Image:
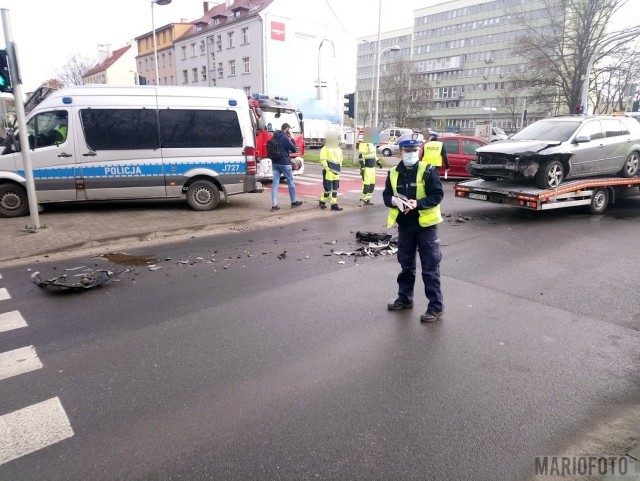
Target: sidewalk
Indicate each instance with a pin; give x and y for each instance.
(82, 227)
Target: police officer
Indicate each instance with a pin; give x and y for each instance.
(331, 160)
(418, 185)
(433, 152)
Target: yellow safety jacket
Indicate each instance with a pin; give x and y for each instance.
(433, 153)
(426, 217)
(331, 160)
(368, 151)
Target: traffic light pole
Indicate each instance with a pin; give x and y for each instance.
(355, 126)
(21, 119)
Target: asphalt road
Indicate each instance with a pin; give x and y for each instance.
(294, 369)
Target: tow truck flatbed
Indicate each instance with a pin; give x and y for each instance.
(595, 192)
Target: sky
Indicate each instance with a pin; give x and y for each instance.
(47, 32)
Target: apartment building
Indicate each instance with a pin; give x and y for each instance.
(165, 37)
(465, 51)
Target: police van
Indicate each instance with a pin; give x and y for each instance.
(140, 142)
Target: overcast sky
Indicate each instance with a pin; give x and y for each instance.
(47, 32)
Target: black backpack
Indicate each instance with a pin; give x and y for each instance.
(273, 149)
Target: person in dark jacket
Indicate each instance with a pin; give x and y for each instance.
(413, 193)
(282, 167)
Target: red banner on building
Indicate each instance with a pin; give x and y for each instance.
(277, 31)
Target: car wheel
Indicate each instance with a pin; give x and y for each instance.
(386, 152)
(13, 201)
(631, 165)
(550, 175)
(599, 201)
(203, 195)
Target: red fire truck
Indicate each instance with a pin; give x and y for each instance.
(270, 113)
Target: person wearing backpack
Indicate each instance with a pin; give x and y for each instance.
(278, 149)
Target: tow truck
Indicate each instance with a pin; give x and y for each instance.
(270, 113)
(595, 192)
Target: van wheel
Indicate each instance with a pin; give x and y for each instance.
(13, 201)
(203, 195)
(630, 168)
(550, 175)
(599, 201)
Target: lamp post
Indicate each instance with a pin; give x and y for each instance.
(394, 48)
(373, 75)
(319, 95)
(153, 32)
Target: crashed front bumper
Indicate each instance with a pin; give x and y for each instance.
(526, 169)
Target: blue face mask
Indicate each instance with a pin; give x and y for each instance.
(409, 159)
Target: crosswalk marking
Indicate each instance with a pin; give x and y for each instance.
(18, 361)
(32, 428)
(4, 294)
(11, 320)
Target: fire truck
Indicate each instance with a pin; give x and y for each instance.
(270, 113)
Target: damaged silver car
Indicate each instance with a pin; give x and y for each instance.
(558, 148)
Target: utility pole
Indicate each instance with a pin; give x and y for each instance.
(21, 120)
(355, 126)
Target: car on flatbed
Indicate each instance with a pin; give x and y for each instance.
(556, 149)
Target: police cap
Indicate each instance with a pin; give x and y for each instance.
(409, 145)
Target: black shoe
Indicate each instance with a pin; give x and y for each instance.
(323, 205)
(399, 304)
(430, 316)
(275, 208)
(367, 202)
(336, 207)
(297, 203)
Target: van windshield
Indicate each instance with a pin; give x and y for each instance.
(274, 121)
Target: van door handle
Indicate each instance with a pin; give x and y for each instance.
(64, 155)
(90, 154)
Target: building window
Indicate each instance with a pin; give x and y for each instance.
(202, 47)
(232, 67)
(185, 77)
(146, 64)
(211, 40)
(184, 52)
(147, 41)
(247, 91)
(220, 70)
(164, 36)
(193, 49)
(213, 82)
(203, 73)
(219, 43)
(163, 61)
(213, 58)
(231, 39)
(245, 35)
(246, 63)
(195, 74)
(170, 61)
(171, 81)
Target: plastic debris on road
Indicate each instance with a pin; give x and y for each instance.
(88, 281)
(375, 244)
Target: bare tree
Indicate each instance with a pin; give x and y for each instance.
(73, 70)
(613, 81)
(559, 49)
(404, 94)
(364, 101)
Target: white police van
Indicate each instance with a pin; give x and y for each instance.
(114, 142)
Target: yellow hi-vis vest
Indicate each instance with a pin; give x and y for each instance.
(433, 153)
(368, 151)
(427, 217)
(331, 158)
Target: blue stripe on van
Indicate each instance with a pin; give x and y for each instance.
(136, 170)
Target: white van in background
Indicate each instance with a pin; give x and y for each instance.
(113, 142)
(391, 135)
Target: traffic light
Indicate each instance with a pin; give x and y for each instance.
(579, 110)
(350, 105)
(5, 76)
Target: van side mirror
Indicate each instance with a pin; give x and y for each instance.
(582, 139)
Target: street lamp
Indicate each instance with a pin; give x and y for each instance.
(373, 68)
(394, 48)
(319, 96)
(153, 32)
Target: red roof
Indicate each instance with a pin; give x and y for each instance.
(115, 56)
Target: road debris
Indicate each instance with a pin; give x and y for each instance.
(154, 267)
(376, 244)
(283, 255)
(89, 281)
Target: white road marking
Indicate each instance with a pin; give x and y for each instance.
(18, 361)
(32, 428)
(11, 320)
(4, 294)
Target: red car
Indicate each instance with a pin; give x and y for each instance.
(460, 150)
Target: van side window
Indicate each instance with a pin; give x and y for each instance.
(200, 128)
(47, 129)
(120, 129)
